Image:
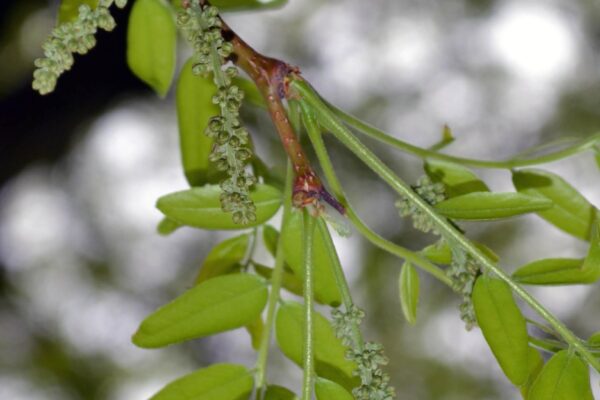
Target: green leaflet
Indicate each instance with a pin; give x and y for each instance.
(571, 213)
(409, 292)
(441, 253)
(217, 305)
(594, 340)
(328, 390)
(290, 282)
(223, 258)
(151, 44)
(167, 226)
(218, 382)
(270, 238)
(194, 109)
(326, 290)
(556, 271)
(458, 180)
(503, 327)
(236, 5)
(446, 139)
(487, 205)
(201, 207)
(241, 5)
(564, 377)
(330, 360)
(256, 329)
(275, 392)
(564, 271)
(69, 9)
(535, 362)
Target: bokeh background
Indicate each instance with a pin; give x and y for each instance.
(80, 169)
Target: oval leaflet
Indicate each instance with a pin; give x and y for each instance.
(409, 292)
(201, 208)
(151, 44)
(194, 109)
(219, 381)
(565, 376)
(489, 205)
(503, 327)
(292, 233)
(216, 305)
(571, 213)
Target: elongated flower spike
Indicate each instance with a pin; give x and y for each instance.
(69, 38)
(230, 153)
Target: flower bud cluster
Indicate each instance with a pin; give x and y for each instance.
(368, 357)
(463, 272)
(202, 28)
(374, 382)
(432, 193)
(74, 37)
(231, 150)
(345, 321)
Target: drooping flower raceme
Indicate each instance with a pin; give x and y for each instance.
(69, 38)
(231, 151)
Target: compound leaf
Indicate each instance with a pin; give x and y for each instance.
(571, 213)
(201, 207)
(564, 377)
(219, 382)
(151, 44)
(487, 205)
(503, 327)
(217, 305)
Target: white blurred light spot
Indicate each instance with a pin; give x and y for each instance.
(534, 41)
(409, 46)
(123, 139)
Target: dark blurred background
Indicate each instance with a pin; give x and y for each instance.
(80, 169)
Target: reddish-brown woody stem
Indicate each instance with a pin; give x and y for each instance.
(271, 77)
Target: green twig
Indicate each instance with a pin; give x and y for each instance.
(551, 346)
(420, 152)
(341, 281)
(276, 281)
(307, 351)
(445, 228)
(401, 252)
(542, 327)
